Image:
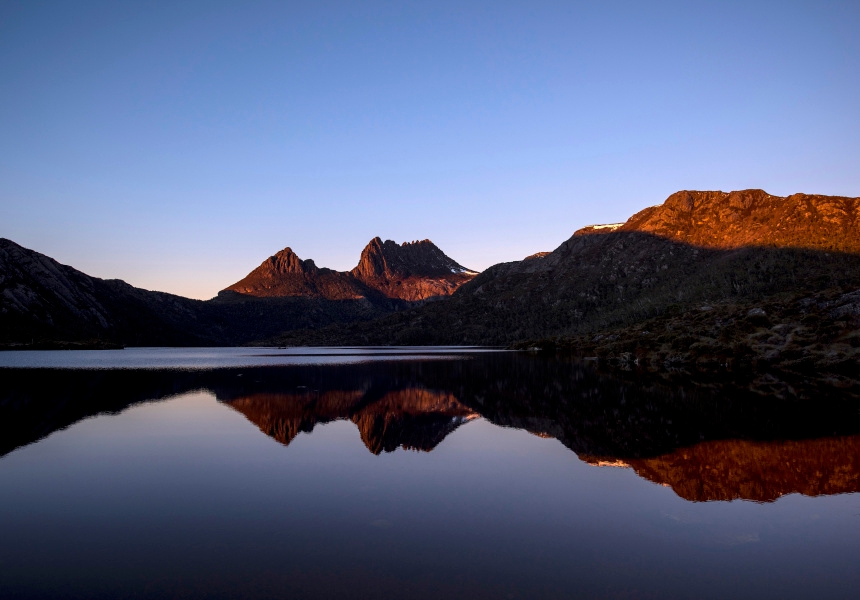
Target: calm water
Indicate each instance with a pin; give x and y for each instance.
(213, 358)
(413, 473)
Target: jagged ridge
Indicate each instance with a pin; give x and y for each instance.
(410, 271)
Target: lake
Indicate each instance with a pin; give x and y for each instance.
(414, 473)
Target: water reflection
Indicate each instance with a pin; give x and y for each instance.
(412, 418)
(760, 471)
(714, 443)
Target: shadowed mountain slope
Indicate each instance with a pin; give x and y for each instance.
(43, 299)
(696, 247)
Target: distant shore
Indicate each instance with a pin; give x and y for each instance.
(60, 345)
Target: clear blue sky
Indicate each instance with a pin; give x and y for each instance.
(176, 145)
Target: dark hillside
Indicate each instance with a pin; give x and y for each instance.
(40, 299)
(600, 281)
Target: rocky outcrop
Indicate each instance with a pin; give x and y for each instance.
(410, 271)
(754, 218)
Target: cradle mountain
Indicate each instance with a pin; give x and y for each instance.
(731, 255)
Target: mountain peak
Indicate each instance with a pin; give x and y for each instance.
(285, 274)
(412, 271)
(409, 259)
(287, 261)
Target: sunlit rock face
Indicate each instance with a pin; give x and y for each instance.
(285, 274)
(412, 418)
(412, 271)
(753, 218)
(747, 470)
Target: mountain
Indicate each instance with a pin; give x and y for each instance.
(43, 303)
(41, 299)
(286, 275)
(753, 218)
(411, 272)
(809, 336)
(697, 247)
(735, 249)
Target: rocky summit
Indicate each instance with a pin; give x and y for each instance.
(411, 271)
(752, 218)
(285, 274)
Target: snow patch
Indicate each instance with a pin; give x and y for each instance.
(608, 226)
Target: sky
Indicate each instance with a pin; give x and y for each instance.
(176, 145)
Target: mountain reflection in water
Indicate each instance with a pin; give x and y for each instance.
(413, 418)
(747, 470)
(713, 443)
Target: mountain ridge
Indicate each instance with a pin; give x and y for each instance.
(411, 271)
(695, 247)
(44, 303)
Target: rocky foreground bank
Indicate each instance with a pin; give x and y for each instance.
(787, 345)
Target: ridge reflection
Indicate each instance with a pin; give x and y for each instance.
(706, 444)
